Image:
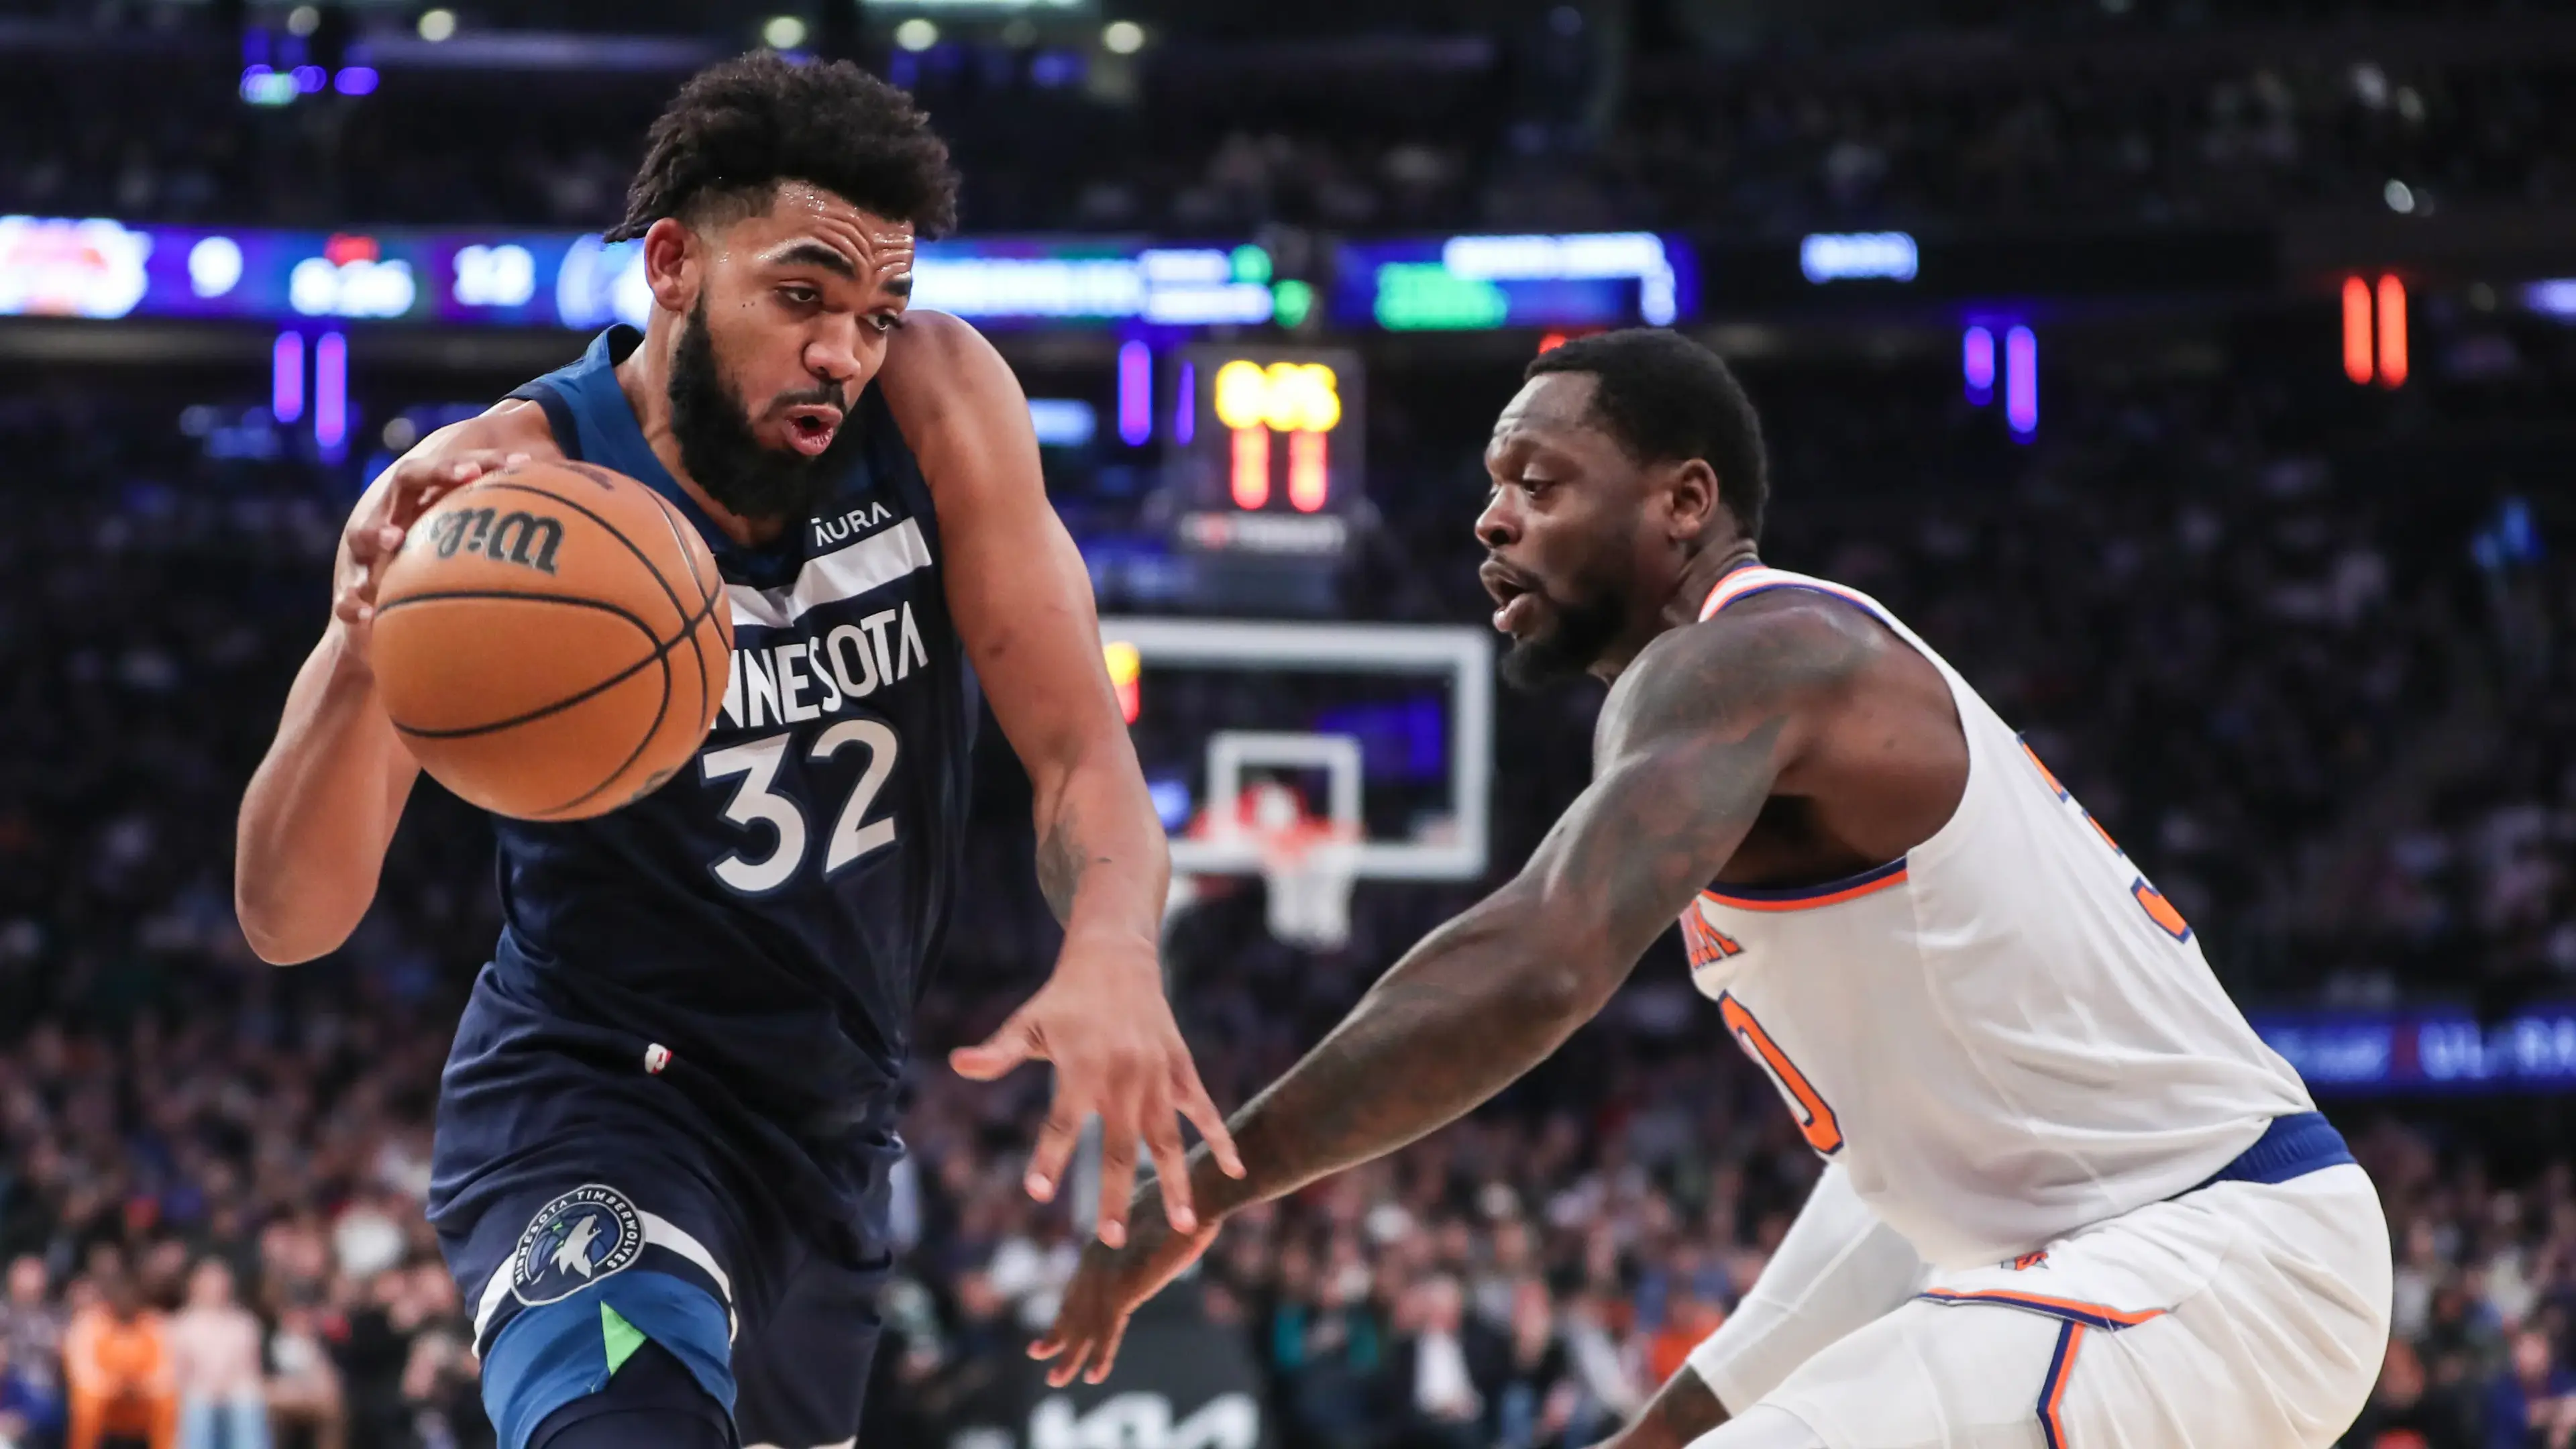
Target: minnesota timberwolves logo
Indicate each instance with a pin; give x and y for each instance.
(573, 1242)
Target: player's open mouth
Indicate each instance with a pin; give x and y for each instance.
(1516, 599)
(810, 429)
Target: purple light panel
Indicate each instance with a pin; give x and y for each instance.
(1135, 394)
(331, 392)
(286, 377)
(1977, 364)
(2021, 382)
(1185, 405)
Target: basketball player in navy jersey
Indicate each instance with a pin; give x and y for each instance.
(666, 1126)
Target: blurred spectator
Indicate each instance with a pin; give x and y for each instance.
(2407, 1412)
(215, 1364)
(442, 1393)
(304, 1389)
(29, 1419)
(31, 1342)
(1442, 1370)
(1328, 1348)
(117, 1366)
(1534, 1397)
(2533, 1402)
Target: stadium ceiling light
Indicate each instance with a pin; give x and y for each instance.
(783, 32)
(437, 25)
(303, 20)
(2399, 196)
(916, 34)
(1122, 37)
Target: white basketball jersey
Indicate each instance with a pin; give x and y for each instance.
(2005, 1035)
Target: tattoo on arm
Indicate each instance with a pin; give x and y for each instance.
(1061, 862)
(1691, 742)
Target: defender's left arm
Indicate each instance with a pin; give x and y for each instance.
(1022, 600)
(1692, 741)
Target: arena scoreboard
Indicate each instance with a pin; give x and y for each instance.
(1271, 432)
(1267, 465)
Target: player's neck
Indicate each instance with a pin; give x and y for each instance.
(645, 378)
(1699, 576)
(1681, 605)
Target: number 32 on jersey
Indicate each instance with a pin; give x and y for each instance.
(758, 801)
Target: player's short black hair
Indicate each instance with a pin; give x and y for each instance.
(1667, 399)
(741, 126)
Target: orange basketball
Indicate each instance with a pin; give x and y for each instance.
(552, 641)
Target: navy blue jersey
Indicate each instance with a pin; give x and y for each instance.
(761, 925)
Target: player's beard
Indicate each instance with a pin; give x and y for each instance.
(1583, 630)
(724, 455)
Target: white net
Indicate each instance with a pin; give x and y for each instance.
(1307, 864)
(1309, 884)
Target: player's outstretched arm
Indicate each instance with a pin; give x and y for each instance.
(1691, 743)
(322, 807)
(1022, 600)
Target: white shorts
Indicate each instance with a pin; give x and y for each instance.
(2240, 1316)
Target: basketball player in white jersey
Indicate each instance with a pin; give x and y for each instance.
(2070, 1200)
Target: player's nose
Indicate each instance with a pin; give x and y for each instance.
(832, 354)
(1499, 526)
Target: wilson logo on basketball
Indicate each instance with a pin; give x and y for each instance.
(526, 539)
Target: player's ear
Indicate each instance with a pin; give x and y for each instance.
(1692, 499)
(673, 260)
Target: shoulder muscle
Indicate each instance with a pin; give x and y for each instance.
(1784, 660)
(943, 379)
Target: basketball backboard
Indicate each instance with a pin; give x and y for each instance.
(1384, 730)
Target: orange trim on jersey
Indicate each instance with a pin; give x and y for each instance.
(2105, 834)
(2073, 1310)
(1729, 586)
(1808, 898)
(2045, 773)
(1746, 582)
(2160, 910)
(2052, 1389)
(1816, 1119)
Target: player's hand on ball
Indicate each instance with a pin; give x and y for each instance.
(1103, 1021)
(1107, 1288)
(375, 531)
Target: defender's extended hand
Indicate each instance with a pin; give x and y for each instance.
(1103, 1021)
(1107, 1288)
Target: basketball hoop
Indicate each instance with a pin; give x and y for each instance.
(1308, 864)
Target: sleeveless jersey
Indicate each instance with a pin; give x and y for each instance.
(2007, 1033)
(761, 926)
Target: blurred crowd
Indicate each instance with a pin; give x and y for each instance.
(2327, 707)
(213, 1240)
(1557, 118)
